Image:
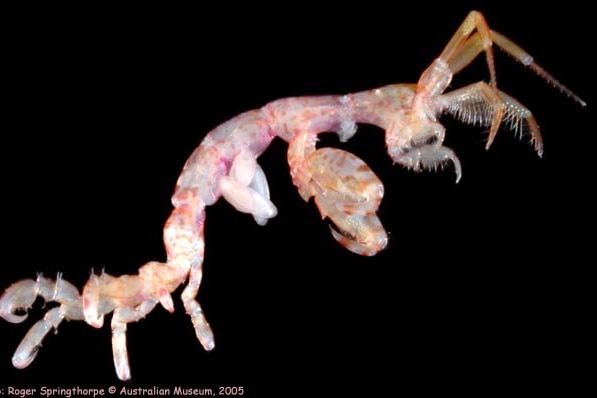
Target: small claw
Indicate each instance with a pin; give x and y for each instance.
(361, 248)
(363, 235)
(12, 318)
(93, 319)
(91, 302)
(457, 167)
(166, 301)
(19, 295)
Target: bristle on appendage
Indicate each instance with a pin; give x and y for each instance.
(516, 52)
(539, 71)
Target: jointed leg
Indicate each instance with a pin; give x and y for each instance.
(121, 317)
(202, 329)
(29, 347)
(185, 244)
(21, 295)
(472, 37)
(476, 104)
(467, 44)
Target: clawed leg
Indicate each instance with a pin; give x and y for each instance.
(341, 178)
(345, 189)
(21, 295)
(29, 346)
(121, 317)
(246, 188)
(348, 193)
(430, 157)
(476, 104)
(364, 236)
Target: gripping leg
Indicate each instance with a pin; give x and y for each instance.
(22, 294)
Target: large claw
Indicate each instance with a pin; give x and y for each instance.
(348, 193)
(345, 180)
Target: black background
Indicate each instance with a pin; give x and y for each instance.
(481, 282)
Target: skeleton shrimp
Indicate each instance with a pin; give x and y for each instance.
(344, 188)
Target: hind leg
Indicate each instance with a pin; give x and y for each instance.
(21, 295)
(121, 317)
(29, 346)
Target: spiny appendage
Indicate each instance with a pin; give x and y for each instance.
(21, 296)
(482, 103)
(474, 36)
(348, 193)
(476, 105)
(431, 157)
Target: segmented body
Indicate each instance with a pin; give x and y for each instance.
(344, 188)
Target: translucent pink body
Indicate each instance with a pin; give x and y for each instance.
(344, 188)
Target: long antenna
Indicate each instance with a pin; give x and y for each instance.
(515, 51)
